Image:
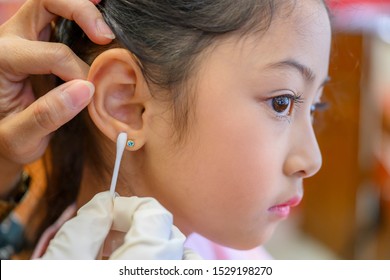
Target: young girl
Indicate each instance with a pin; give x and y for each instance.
(216, 98)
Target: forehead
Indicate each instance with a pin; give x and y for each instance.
(297, 29)
(299, 32)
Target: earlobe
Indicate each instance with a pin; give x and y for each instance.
(120, 96)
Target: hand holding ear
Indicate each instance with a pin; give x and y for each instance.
(24, 52)
(147, 225)
(22, 39)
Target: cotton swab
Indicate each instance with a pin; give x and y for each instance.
(120, 147)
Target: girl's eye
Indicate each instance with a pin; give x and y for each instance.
(282, 104)
(319, 106)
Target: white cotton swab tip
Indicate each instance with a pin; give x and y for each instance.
(120, 147)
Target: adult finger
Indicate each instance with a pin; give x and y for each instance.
(38, 13)
(26, 133)
(34, 57)
(59, 106)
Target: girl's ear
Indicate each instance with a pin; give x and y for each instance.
(121, 95)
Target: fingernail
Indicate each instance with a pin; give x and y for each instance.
(79, 94)
(103, 29)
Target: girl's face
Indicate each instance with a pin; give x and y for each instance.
(251, 142)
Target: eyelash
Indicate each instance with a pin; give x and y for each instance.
(296, 100)
(319, 107)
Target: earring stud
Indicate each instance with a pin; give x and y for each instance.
(130, 143)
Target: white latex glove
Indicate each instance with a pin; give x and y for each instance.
(148, 227)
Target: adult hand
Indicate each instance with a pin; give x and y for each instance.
(24, 133)
(147, 225)
(23, 52)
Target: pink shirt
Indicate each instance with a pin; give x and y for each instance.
(209, 250)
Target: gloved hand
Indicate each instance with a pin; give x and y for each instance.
(148, 227)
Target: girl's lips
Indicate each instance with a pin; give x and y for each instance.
(283, 210)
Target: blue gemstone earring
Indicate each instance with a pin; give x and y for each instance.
(130, 143)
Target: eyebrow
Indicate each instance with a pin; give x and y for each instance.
(306, 72)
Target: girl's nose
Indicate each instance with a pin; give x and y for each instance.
(304, 158)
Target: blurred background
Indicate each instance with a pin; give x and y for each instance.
(345, 213)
